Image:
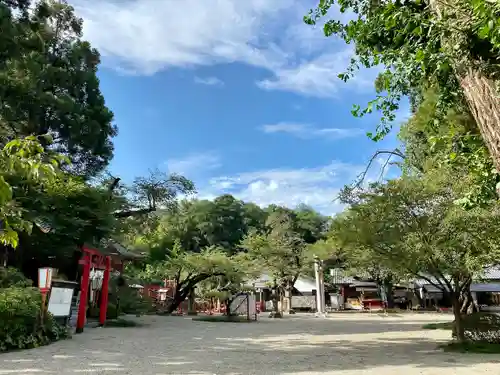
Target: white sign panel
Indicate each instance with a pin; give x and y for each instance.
(60, 301)
(44, 278)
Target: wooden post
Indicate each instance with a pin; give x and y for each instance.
(84, 290)
(44, 306)
(105, 293)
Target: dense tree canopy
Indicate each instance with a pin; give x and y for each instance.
(452, 44)
(24, 161)
(48, 83)
(412, 228)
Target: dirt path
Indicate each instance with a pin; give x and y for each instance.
(343, 344)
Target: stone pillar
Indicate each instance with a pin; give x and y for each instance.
(317, 275)
(322, 284)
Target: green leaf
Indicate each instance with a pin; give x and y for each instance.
(420, 55)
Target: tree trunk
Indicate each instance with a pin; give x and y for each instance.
(386, 292)
(479, 91)
(467, 302)
(179, 297)
(288, 298)
(275, 313)
(484, 104)
(458, 329)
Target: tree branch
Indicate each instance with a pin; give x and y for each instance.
(128, 213)
(396, 152)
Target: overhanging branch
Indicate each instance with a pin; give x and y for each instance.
(396, 152)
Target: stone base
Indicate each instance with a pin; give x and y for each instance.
(320, 315)
(275, 314)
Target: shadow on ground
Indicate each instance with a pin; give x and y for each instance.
(304, 345)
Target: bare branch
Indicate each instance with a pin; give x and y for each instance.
(361, 177)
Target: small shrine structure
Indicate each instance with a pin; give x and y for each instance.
(97, 266)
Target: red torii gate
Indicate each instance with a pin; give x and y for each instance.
(93, 258)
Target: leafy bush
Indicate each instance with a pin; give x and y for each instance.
(442, 325)
(481, 328)
(13, 277)
(471, 347)
(111, 312)
(21, 323)
(132, 302)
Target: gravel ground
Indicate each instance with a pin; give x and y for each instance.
(343, 344)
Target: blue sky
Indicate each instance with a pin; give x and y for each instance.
(240, 96)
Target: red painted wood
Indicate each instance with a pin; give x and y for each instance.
(84, 290)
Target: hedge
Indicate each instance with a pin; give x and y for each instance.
(21, 323)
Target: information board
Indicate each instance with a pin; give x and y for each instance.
(60, 301)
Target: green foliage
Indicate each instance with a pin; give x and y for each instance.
(201, 223)
(223, 222)
(21, 325)
(21, 160)
(159, 189)
(188, 267)
(11, 277)
(479, 328)
(443, 325)
(413, 226)
(482, 328)
(418, 43)
(132, 302)
(112, 311)
(202, 243)
(281, 251)
(48, 83)
(470, 347)
(451, 141)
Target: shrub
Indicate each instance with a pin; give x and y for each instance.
(471, 347)
(132, 302)
(111, 312)
(21, 323)
(481, 328)
(442, 325)
(13, 277)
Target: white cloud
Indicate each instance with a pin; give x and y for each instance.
(317, 187)
(194, 164)
(307, 131)
(319, 77)
(146, 36)
(209, 81)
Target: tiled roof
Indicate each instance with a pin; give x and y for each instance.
(339, 277)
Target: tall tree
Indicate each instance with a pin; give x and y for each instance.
(48, 83)
(188, 269)
(280, 252)
(414, 226)
(451, 141)
(311, 224)
(452, 43)
(24, 160)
